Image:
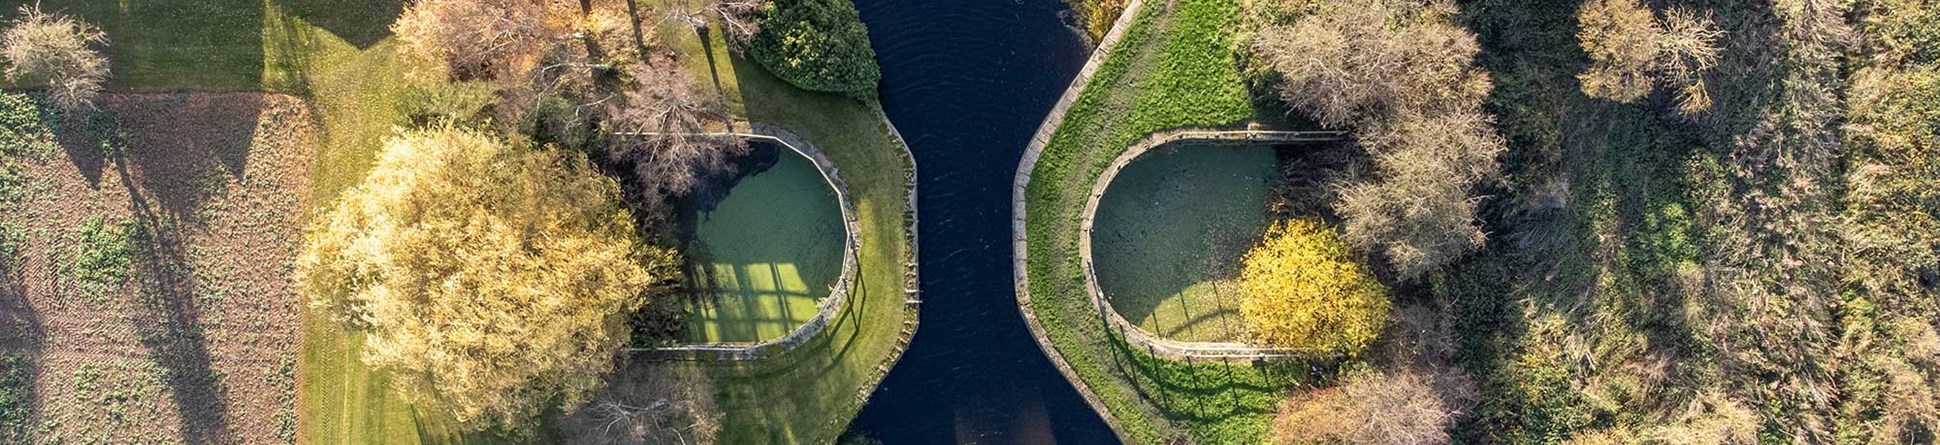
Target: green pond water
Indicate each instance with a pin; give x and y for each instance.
(766, 253)
(1171, 231)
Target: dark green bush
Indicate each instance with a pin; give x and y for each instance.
(817, 45)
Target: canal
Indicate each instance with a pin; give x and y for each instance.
(967, 82)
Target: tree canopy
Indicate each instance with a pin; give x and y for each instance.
(817, 45)
(1630, 51)
(492, 280)
(1402, 74)
(1302, 289)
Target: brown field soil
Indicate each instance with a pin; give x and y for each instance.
(198, 343)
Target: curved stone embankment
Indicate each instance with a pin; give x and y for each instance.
(1020, 244)
(827, 308)
(912, 277)
(1020, 240)
(1154, 344)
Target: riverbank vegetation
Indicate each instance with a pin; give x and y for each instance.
(1173, 68)
(1705, 223)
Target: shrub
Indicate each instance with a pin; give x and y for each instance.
(817, 45)
(16, 397)
(461, 103)
(55, 49)
(1630, 51)
(1300, 288)
(103, 260)
(1369, 409)
(490, 279)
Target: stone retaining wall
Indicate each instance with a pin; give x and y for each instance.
(826, 308)
(1153, 344)
(1020, 246)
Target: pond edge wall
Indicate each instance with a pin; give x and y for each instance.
(826, 308)
(1159, 346)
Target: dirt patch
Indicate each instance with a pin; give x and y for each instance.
(183, 213)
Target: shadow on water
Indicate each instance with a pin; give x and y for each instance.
(966, 82)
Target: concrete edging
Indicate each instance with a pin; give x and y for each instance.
(827, 308)
(1161, 347)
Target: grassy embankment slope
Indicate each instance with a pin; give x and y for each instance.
(1173, 69)
(809, 395)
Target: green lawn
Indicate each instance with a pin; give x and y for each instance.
(1170, 232)
(810, 394)
(1173, 69)
(767, 252)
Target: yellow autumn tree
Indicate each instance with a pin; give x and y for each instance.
(492, 280)
(1301, 288)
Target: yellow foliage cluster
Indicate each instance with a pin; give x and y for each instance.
(1302, 289)
(491, 279)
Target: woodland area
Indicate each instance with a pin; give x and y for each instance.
(1713, 221)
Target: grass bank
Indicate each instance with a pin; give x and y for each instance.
(1173, 69)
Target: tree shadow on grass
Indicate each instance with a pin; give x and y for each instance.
(1212, 391)
(178, 149)
(362, 23)
(166, 296)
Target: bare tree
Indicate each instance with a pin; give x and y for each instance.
(739, 19)
(470, 39)
(671, 403)
(1346, 63)
(668, 131)
(1421, 211)
(54, 49)
(1403, 74)
(1630, 51)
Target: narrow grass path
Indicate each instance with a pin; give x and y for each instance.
(1172, 69)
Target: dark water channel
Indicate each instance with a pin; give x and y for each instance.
(967, 82)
